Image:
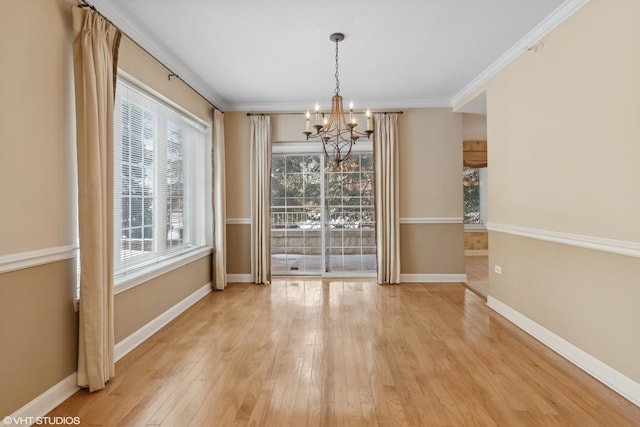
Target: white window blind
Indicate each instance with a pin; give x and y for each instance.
(160, 164)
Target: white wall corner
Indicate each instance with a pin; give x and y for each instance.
(618, 382)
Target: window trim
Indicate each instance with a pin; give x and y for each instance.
(129, 79)
(315, 147)
(188, 254)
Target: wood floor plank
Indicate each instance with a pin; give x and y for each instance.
(310, 352)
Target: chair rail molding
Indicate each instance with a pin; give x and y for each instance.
(619, 247)
(36, 257)
(432, 220)
(238, 221)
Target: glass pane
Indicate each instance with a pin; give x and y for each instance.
(136, 211)
(471, 191)
(278, 185)
(294, 164)
(277, 164)
(294, 186)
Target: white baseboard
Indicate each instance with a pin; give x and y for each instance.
(239, 278)
(433, 278)
(139, 336)
(47, 401)
(620, 383)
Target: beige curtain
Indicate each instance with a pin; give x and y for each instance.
(95, 47)
(261, 199)
(219, 204)
(385, 149)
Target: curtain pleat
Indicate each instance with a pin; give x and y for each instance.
(385, 146)
(261, 199)
(95, 47)
(219, 203)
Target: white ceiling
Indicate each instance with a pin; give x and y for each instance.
(276, 55)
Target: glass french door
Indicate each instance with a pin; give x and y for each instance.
(322, 215)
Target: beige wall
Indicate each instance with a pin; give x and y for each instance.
(474, 127)
(570, 110)
(37, 128)
(236, 134)
(38, 326)
(562, 125)
(430, 163)
(38, 331)
(136, 62)
(589, 298)
(432, 249)
(430, 186)
(135, 307)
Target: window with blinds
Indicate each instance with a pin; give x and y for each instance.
(160, 162)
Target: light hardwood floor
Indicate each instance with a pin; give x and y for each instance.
(477, 270)
(312, 352)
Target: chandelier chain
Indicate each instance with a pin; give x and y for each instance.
(337, 90)
(338, 134)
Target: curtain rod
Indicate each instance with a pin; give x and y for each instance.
(82, 4)
(296, 113)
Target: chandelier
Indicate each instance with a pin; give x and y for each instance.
(336, 132)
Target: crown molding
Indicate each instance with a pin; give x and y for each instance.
(159, 51)
(283, 107)
(561, 14)
(162, 54)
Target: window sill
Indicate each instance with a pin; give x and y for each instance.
(137, 277)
